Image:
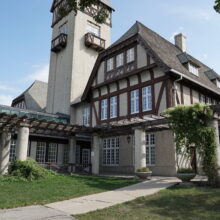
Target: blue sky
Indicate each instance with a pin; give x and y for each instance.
(26, 34)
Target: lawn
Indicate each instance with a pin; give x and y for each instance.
(56, 188)
(174, 203)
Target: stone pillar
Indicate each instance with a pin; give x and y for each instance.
(95, 155)
(215, 125)
(72, 154)
(139, 148)
(22, 143)
(5, 144)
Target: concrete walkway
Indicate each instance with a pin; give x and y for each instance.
(33, 213)
(63, 210)
(103, 200)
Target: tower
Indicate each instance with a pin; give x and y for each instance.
(76, 42)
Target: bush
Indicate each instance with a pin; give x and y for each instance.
(29, 170)
(144, 169)
(186, 170)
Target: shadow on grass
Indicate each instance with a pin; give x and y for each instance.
(179, 204)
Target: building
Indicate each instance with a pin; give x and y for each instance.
(105, 102)
(34, 98)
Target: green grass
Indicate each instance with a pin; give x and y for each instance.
(56, 188)
(171, 204)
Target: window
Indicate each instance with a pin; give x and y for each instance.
(86, 116)
(66, 154)
(135, 101)
(147, 98)
(193, 69)
(104, 109)
(209, 101)
(120, 60)
(150, 150)
(111, 151)
(113, 107)
(218, 83)
(20, 105)
(130, 55)
(202, 99)
(94, 29)
(52, 153)
(63, 29)
(12, 154)
(110, 64)
(41, 152)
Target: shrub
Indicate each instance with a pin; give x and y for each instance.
(186, 170)
(144, 169)
(29, 170)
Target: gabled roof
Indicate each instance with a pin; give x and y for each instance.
(36, 82)
(165, 54)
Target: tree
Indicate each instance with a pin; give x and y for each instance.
(217, 6)
(100, 16)
(192, 128)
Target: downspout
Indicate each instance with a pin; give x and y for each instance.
(175, 89)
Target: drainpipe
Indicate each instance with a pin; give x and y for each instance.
(175, 89)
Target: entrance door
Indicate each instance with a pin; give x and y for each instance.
(85, 157)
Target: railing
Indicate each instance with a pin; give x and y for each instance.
(95, 42)
(59, 43)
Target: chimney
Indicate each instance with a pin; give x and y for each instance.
(180, 42)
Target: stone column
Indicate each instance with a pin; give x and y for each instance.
(139, 148)
(95, 155)
(5, 144)
(215, 125)
(22, 143)
(72, 154)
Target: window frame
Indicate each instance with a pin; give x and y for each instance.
(12, 152)
(52, 153)
(120, 57)
(147, 99)
(42, 145)
(113, 107)
(91, 26)
(130, 57)
(64, 27)
(111, 151)
(193, 69)
(104, 109)
(110, 64)
(150, 149)
(86, 116)
(134, 100)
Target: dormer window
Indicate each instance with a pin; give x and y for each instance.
(193, 69)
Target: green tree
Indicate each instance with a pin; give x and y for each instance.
(217, 6)
(100, 16)
(192, 126)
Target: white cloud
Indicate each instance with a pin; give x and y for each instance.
(179, 30)
(40, 72)
(5, 99)
(4, 87)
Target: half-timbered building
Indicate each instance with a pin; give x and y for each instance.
(105, 103)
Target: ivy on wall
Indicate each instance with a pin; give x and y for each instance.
(100, 16)
(192, 128)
